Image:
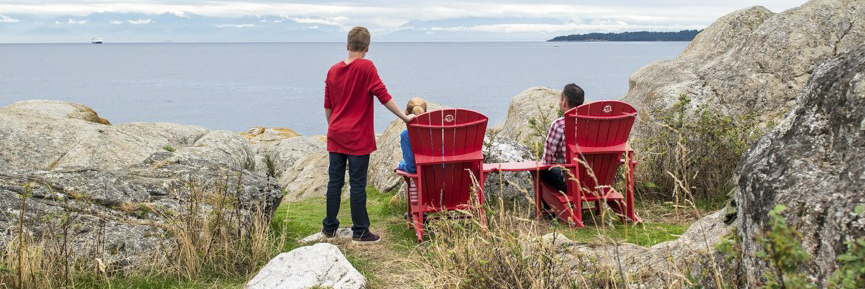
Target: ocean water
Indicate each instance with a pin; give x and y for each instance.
(235, 86)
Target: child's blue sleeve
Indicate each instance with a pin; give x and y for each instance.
(407, 164)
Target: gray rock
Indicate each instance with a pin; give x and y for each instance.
(509, 185)
(319, 265)
(307, 177)
(750, 61)
(660, 266)
(56, 109)
(119, 185)
(813, 163)
(539, 103)
(298, 163)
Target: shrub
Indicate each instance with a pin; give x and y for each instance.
(781, 250)
(694, 150)
(851, 272)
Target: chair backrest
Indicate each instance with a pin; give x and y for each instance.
(447, 134)
(602, 128)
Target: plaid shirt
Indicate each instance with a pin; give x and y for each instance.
(554, 148)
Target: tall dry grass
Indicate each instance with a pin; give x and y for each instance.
(514, 250)
(216, 235)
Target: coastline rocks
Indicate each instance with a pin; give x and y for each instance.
(307, 177)
(538, 103)
(57, 109)
(319, 265)
(751, 60)
(299, 164)
(117, 183)
(659, 266)
(814, 164)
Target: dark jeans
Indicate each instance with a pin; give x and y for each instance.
(357, 167)
(553, 177)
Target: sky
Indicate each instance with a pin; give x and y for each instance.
(393, 19)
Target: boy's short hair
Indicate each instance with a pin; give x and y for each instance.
(358, 39)
(575, 95)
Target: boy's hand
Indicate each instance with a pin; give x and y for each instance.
(409, 118)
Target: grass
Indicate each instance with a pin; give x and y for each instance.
(647, 234)
(396, 260)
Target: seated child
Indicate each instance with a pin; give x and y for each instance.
(554, 148)
(415, 106)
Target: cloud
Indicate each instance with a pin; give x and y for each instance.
(140, 21)
(116, 22)
(7, 19)
(76, 22)
(234, 25)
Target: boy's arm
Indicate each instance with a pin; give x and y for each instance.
(328, 107)
(391, 105)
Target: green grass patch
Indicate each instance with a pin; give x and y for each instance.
(646, 234)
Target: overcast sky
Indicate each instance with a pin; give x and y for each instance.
(501, 17)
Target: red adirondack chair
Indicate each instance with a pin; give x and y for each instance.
(447, 149)
(596, 136)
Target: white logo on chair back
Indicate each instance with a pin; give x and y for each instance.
(608, 109)
(449, 118)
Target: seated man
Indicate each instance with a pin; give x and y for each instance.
(554, 147)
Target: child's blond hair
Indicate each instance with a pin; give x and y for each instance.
(358, 39)
(415, 106)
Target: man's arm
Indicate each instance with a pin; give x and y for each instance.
(327, 112)
(391, 105)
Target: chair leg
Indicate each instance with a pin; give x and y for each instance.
(418, 226)
(575, 195)
(629, 191)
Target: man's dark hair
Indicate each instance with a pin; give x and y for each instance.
(575, 95)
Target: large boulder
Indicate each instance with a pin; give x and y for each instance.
(536, 104)
(661, 266)
(298, 163)
(752, 60)
(813, 163)
(509, 185)
(118, 186)
(320, 265)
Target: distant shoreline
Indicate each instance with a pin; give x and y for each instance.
(635, 36)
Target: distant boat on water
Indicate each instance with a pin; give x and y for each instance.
(96, 40)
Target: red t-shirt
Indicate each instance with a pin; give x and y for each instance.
(348, 91)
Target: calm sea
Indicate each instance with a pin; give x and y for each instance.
(235, 86)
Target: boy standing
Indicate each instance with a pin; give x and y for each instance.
(348, 106)
(554, 148)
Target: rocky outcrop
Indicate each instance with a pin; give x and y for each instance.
(298, 163)
(540, 104)
(318, 266)
(57, 109)
(665, 265)
(752, 60)
(120, 185)
(813, 163)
